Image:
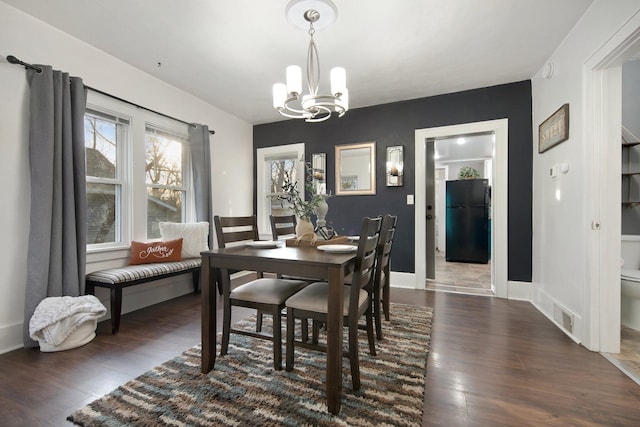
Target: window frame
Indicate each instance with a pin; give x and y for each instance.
(262, 154)
(122, 178)
(133, 221)
(188, 201)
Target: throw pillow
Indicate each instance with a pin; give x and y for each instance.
(147, 253)
(195, 236)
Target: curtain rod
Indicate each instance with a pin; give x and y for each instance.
(13, 60)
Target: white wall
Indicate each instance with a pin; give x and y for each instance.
(562, 210)
(34, 41)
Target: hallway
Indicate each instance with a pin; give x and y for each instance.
(461, 277)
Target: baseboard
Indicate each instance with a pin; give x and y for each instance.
(520, 291)
(401, 279)
(545, 305)
(11, 337)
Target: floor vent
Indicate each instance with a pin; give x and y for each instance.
(563, 317)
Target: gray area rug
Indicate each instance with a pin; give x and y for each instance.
(244, 390)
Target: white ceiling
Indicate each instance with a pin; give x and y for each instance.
(229, 53)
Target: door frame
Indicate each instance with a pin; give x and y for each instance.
(601, 125)
(499, 247)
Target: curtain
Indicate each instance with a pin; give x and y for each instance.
(201, 163)
(58, 224)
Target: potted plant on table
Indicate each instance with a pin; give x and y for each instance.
(303, 208)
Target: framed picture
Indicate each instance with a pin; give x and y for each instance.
(554, 130)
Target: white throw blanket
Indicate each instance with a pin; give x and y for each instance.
(55, 318)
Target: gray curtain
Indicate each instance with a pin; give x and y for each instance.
(201, 163)
(58, 223)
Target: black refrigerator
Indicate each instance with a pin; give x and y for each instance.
(468, 222)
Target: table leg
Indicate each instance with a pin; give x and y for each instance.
(334, 340)
(208, 281)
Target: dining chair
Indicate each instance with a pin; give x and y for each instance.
(266, 295)
(282, 225)
(381, 278)
(386, 288)
(312, 303)
(381, 273)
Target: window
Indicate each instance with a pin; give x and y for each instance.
(276, 169)
(138, 174)
(166, 192)
(104, 139)
(273, 163)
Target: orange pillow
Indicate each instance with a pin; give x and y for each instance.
(146, 253)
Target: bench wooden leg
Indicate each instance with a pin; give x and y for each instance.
(196, 280)
(116, 308)
(89, 289)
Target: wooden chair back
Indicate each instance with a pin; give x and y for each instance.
(231, 229)
(383, 255)
(282, 225)
(365, 260)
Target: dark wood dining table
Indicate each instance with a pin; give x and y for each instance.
(302, 261)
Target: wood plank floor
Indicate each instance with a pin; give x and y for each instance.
(492, 363)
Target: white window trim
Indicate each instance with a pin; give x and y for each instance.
(123, 154)
(134, 194)
(262, 154)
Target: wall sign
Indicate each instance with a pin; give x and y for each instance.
(554, 130)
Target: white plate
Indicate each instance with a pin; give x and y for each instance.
(337, 249)
(264, 244)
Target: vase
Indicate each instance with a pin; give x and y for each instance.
(321, 213)
(303, 227)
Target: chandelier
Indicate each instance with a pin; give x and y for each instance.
(288, 99)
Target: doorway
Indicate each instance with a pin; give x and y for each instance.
(460, 162)
(499, 198)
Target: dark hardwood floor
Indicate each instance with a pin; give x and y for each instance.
(492, 363)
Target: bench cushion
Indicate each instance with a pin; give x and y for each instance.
(131, 273)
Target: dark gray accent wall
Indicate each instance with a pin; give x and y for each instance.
(395, 124)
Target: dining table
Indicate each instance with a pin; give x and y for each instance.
(301, 261)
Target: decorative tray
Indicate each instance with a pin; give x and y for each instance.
(316, 242)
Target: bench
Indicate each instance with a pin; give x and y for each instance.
(117, 278)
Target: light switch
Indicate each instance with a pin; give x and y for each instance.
(409, 199)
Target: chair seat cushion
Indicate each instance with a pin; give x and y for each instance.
(315, 298)
(267, 290)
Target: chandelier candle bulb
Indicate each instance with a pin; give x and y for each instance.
(294, 79)
(338, 81)
(279, 95)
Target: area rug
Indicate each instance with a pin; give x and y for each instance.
(244, 389)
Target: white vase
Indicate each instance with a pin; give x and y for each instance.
(303, 227)
(321, 213)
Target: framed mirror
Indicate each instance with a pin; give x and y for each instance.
(319, 165)
(356, 169)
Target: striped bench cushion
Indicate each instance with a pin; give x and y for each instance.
(130, 273)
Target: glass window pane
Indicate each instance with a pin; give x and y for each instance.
(277, 169)
(163, 160)
(100, 147)
(101, 213)
(163, 204)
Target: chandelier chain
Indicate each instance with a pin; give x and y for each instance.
(313, 65)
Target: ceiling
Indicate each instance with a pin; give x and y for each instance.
(229, 53)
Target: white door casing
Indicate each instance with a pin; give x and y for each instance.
(499, 254)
